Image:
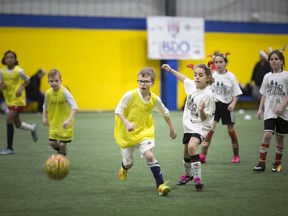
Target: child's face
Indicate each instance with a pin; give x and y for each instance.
(144, 83)
(200, 78)
(55, 82)
(275, 62)
(219, 63)
(10, 60)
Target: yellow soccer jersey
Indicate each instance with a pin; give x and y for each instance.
(58, 112)
(137, 112)
(13, 79)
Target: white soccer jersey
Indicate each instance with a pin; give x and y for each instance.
(225, 87)
(274, 87)
(191, 116)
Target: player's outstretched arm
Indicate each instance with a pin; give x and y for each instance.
(178, 75)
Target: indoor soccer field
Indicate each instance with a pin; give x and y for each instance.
(92, 187)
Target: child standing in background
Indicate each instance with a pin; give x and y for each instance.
(274, 102)
(226, 91)
(59, 110)
(197, 119)
(13, 82)
(134, 127)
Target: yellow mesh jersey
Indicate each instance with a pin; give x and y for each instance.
(13, 82)
(138, 113)
(58, 112)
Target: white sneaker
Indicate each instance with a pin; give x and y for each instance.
(6, 152)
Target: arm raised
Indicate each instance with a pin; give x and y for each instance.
(178, 75)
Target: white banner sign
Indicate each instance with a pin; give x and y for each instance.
(175, 38)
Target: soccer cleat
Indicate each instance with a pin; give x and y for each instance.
(184, 180)
(123, 174)
(235, 159)
(276, 167)
(260, 167)
(34, 133)
(7, 152)
(198, 184)
(164, 189)
(202, 158)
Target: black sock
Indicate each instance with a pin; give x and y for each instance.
(10, 135)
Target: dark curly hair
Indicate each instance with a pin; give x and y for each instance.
(9, 51)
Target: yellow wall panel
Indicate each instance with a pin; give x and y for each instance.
(99, 66)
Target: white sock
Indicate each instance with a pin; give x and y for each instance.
(187, 169)
(196, 167)
(26, 126)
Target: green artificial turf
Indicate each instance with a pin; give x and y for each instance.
(93, 188)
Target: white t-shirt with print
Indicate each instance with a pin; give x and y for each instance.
(191, 116)
(225, 87)
(274, 87)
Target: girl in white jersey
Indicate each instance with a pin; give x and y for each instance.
(134, 127)
(274, 102)
(59, 109)
(226, 91)
(197, 119)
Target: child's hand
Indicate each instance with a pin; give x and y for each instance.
(231, 107)
(18, 93)
(173, 134)
(45, 122)
(259, 114)
(166, 67)
(3, 85)
(130, 126)
(66, 124)
(202, 106)
(279, 109)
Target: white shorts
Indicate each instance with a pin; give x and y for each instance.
(128, 153)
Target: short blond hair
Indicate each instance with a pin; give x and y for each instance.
(53, 72)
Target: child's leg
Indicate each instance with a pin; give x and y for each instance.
(188, 175)
(10, 135)
(195, 162)
(154, 167)
(55, 145)
(263, 151)
(277, 167)
(25, 126)
(127, 162)
(62, 148)
(206, 143)
(234, 140)
(10, 128)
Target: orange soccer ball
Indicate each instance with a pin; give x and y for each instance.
(57, 166)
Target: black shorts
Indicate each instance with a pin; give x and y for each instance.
(187, 137)
(222, 112)
(279, 124)
(68, 141)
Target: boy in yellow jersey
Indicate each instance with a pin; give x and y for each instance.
(13, 81)
(59, 110)
(134, 127)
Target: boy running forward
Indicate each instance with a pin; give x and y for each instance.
(134, 127)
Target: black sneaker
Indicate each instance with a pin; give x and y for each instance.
(260, 167)
(276, 167)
